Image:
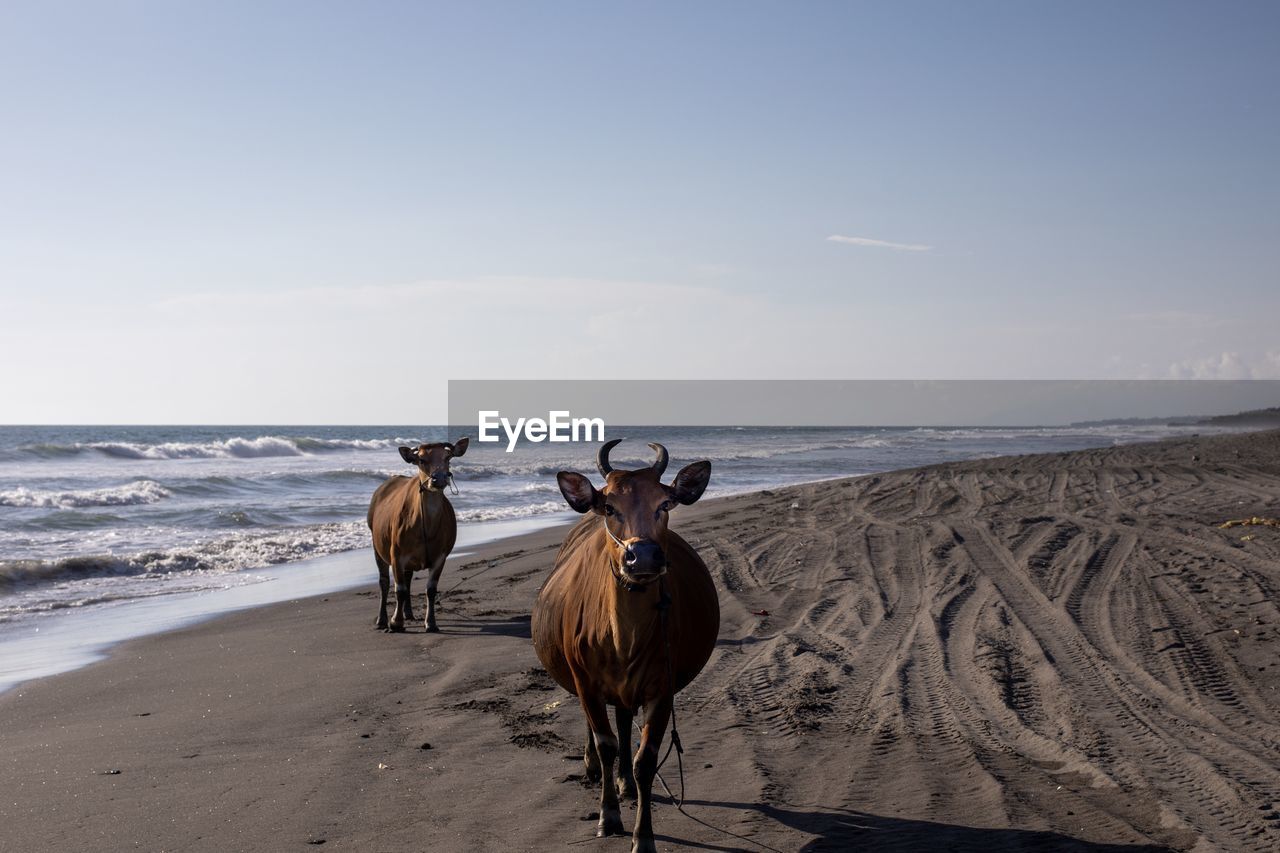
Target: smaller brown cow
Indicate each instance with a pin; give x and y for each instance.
(628, 616)
(414, 529)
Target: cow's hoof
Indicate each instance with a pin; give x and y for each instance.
(610, 824)
(626, 788)
(393, 628)
(593, 771)
(643, 845)
(380, 625)
(433, 629)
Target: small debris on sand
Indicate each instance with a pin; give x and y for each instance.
(1255, 520)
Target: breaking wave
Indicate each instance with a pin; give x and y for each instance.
(130, 494)
(323, 444)
(231, 448)
(229, 554)
(508, 513)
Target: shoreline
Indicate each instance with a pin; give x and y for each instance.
(1052, 651)
(34, 650)
(47, 647)
(37, 647)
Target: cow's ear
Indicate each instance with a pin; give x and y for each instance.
(691, 482)
(408, 456)
(579, 492)
(460, 446)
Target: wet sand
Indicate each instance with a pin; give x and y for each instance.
(1045, 652)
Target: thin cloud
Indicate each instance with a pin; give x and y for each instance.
(509, 294)
(880, 244)
(1229, 365)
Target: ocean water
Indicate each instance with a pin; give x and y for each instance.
(92, 517)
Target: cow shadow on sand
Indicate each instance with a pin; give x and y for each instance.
(845, 829)
(740, 643)
(516, 627)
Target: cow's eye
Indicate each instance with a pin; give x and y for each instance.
(666, 505)
(609, 510)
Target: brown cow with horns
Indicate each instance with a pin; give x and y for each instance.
(414, 529)
(628, 609)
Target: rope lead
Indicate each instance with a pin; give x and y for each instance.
(664, 605)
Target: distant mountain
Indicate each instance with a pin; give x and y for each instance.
(1256, 417)
(1182, 420)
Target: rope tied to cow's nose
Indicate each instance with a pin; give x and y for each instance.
(616, 541)
(616, 570)
(424, 487)
(664, 607)
(422, 520)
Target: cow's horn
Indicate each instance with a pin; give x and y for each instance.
(602, 457)
(660, 463)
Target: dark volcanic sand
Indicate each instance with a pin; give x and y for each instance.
(1044, 652)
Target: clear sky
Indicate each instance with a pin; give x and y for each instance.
(319, 212)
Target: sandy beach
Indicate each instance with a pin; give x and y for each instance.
(1052, 652)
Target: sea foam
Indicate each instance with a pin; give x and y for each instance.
(232, 448)
(129, 494)
(231, 553)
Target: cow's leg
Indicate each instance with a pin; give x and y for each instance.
(433, 582)
(657, 715)
(404, 591)
(403, 574)
(607, 745)
(591, 758)
(626, 780)
(384, 585)
(408, 598)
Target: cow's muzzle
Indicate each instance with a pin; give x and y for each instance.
(643, 560)
(439, 481)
